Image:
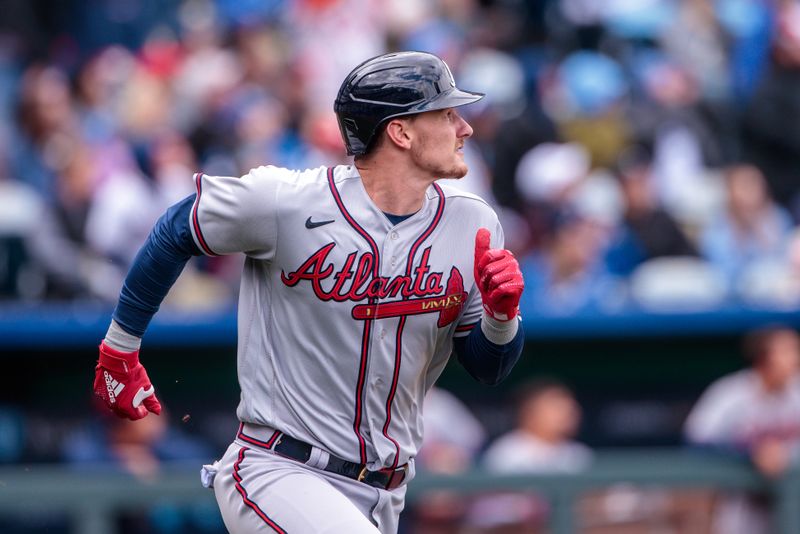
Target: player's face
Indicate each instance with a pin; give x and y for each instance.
(782, 361)
(438, 143)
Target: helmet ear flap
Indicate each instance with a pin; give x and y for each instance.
(349, 130)
(351, 125)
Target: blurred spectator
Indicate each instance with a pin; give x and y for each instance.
(548, 420)
(46, 122)
(647, 231)
(136, 447)
(120, 213)
(748, 27)
(544, 181)
(99, 87)
(453, 437)
(543, 441)
(585, 97)
(568, 275)
(549, 173)
(753, 412)
(20, 208)
(510, 140)
(142, 449)
(40, 258)
(355, 27)
(771, 136)
(685, 133)
(697, 41)
(751, 229)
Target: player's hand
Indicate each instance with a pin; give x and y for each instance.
(498, 278)
(122, 383)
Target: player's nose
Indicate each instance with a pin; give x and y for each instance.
(464, 130)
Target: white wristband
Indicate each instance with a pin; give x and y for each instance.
(119, 339)
(499, 332)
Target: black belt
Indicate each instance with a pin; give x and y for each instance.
(278, 442)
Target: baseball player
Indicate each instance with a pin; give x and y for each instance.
(753, 413)
(359, 282)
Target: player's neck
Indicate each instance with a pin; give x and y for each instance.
(397, 191)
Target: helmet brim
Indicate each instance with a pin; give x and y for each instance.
(451, 99)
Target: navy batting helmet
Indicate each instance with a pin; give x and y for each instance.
(393, 85)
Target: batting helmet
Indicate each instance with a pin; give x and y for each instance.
(393, 85)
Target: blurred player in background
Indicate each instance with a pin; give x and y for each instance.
(548, 420)
(755, 412)
(359, 282)
(453, 439)
(543, 441)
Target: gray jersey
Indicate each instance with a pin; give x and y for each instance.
(345, 319)
(736, 410)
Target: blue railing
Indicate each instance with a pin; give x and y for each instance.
(81, 324)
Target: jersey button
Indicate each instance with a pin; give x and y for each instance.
(394, 235)
(394, 261)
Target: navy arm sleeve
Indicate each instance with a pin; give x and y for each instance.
(155, 268)
(485, 361)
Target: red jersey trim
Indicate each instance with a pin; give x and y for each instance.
(201, 240)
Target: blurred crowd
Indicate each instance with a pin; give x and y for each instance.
(752, 414)
(640, 153)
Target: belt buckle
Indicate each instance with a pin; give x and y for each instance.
(362, 474)
(399, 475)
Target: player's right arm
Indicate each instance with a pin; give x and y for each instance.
(226, 215)
(120, 379)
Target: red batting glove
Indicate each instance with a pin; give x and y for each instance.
(498, 277)
(121, 381)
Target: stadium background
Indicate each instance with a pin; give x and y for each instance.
(109, 106)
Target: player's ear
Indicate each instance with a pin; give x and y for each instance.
(398, 132)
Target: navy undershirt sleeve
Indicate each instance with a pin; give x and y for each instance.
(485, 361)
(155, 268)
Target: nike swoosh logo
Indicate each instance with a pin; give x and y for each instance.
(313, 224)
(141, 395)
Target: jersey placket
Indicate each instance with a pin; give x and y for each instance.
(388, 348)
(399, 256)
(366, 338)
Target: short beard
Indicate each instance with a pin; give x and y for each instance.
(434, 168)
